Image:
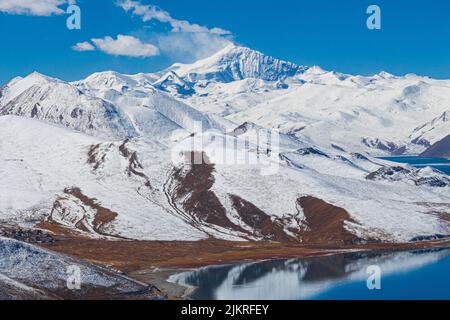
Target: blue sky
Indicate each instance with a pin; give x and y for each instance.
(415, 35)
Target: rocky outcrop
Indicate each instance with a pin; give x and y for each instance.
(264, 226)
(386, 146)
(191, 194)
(325, 223)
(75, 210)
(420, 177)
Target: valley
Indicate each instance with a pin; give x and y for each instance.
(100, 170)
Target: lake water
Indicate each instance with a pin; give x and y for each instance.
(404, 275)
(418, 162)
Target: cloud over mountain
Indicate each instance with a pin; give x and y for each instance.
(152, 12)
(121, 46)
(186, 41)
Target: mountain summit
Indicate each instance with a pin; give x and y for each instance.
(237, 63)
(96, 156)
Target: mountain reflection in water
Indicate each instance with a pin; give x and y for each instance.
(333, 276)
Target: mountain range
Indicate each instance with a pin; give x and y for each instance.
(95, 156)
(440, 149)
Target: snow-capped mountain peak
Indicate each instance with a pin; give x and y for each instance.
(19, 85)
(384, 75)
(55, 101)
(172, 83)
(326, 121)
(234, 63)
(170, 76)
(111, 80)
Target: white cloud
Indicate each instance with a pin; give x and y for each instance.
(152, 12)
(189, 47)
(83, 46)
(186, 41)
(34, 7)
(126, 46)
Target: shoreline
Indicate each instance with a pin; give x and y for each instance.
(160, 279)
(153, 262)
(177, 291)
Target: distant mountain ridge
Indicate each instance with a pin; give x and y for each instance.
(440, 149)
(105, 104)
(96, 156)
(381, 115)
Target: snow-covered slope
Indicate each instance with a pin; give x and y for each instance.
(382, 114)
(440, 149)
(51, 173)
(29, 272)
(172, 83)
(380, 117)
(132, 189)
(105, 104)
(107, 156)
(40, 97)
(151, 111)
(237, 63)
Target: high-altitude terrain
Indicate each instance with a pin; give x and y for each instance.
(95, 157)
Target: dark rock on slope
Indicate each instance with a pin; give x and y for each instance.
(440, 149)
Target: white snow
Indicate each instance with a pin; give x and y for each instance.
(48, 127)
(27, 267)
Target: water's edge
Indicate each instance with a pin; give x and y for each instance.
(303, 278)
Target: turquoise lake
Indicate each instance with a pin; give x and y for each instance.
(411, 275)
(418, 162)
(404, 275)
